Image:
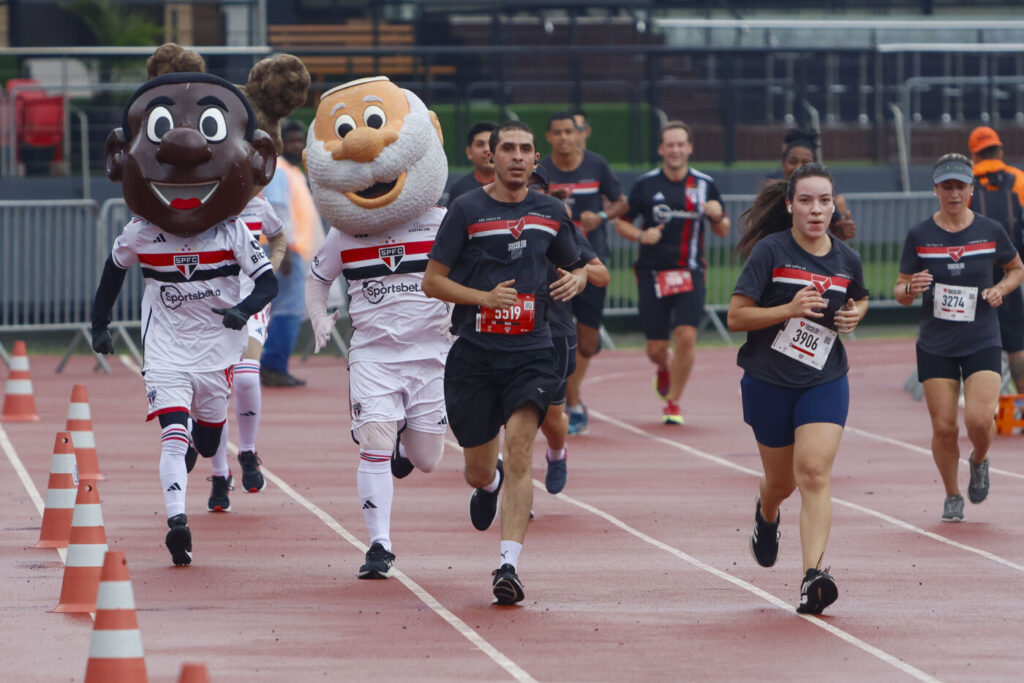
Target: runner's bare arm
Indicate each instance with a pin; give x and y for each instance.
(850, 315)
(745, 315)
(1014, 274)
(278, 248)
(437, 285)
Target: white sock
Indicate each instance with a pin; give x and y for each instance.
(576, 409)
(510, 553)
(248, 402)
(376, 491)
(174, 442)
(556, 455)
(220, 458)
(495, 483)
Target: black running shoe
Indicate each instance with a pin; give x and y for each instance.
(179, 540)
(764, 539)
(400, 467)
(378, 563)
(483, 505)
(817, 592)
(191, 455)
(252, 477)
(219, 500)
(507, 588)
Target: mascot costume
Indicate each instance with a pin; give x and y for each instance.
(276, 86)
(376, 167)
(190, 157)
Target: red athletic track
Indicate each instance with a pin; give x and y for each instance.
(640, 571)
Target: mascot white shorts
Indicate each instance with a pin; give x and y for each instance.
(257, 325)
(407, 391)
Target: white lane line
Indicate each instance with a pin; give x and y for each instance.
(924, 451)
(26, 481)
(430, 601)
(749, 587)
(839, 501)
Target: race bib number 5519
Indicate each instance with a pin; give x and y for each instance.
(805, 341)
(516, 319)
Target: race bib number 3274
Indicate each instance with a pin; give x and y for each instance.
(805, 341)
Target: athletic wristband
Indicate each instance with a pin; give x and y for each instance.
(603, 215)
(908, 288)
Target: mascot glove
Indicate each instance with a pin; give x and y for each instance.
(102, 341)
(233, 318)
(322, 328)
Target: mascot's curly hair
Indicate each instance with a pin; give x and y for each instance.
(277, 85)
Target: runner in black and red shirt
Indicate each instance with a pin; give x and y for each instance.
(950, 259)
(588, 180)
(671, 205)
(799, 287)
(490, 259)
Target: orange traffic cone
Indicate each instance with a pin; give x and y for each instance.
(193, 673)
(80, 425)
(86, 545)
(60, 495)
(115, 650)
(19, 403)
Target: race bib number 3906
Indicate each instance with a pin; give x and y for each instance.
(954, 303)
(516, 319)
(805, 341)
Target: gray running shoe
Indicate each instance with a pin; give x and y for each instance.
(953, 509)
(977, 490)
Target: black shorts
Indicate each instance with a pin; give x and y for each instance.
(565, 363)
(930, 366)
(660, 316)
(588, 306)
(483, 387)
(1011, 321)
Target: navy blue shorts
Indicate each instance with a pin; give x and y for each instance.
(565, 362)
(775, 412)
(588, 306)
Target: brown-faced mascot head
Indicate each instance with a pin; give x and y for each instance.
(375, 156)
(188, 153)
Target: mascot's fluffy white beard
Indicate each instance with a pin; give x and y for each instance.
(418, 152)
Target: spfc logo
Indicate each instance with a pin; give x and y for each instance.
(516, 227)
(955, 253)
(357, 408)
(186, 264)
(821, 283)
(392, 256)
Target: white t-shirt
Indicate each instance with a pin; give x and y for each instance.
(259, 216)
(185, 278)
(392, 319)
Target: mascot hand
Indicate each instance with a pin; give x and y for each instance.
(322, 328)
(233, 318)
(102, 341)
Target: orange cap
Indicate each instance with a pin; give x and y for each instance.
(981, 138)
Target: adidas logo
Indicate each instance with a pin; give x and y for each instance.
(368, 505)
(247, 413)
(174, 487)
(658, 197)
(160, 238)
(443, 420)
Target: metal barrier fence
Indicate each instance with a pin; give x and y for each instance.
(52, 255)
(882, 220)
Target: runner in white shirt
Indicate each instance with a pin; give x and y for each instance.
(261, 219)
(396, 361)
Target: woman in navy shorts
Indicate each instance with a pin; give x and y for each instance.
(799, 287)
(950, 259)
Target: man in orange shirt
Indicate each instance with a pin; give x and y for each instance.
(992, 174)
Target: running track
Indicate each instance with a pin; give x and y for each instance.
(639, 571)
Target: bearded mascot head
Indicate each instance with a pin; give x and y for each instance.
(375, 156)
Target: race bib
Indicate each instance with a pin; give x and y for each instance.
(516, 319)
(954, 303)
(671, 282)
(805, 341)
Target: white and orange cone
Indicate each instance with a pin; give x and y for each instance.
(86, 545)
(80, 425)
(19, 401)
(115, 650)
(193, 673)
(61, 492)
